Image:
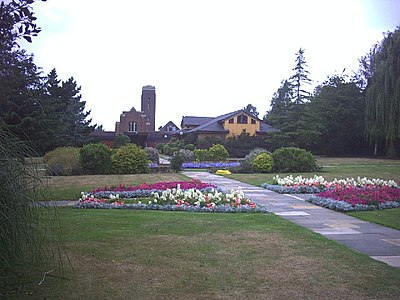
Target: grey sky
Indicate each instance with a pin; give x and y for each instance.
(206, 57)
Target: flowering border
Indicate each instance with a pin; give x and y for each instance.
(292, 189)
(339, 205)
(206, 165)
(208, 199)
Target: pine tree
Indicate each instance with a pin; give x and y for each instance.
(300, 78)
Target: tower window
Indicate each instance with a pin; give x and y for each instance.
(132, 127)
(242, 119)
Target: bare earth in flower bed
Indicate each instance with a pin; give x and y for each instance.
(170, 255)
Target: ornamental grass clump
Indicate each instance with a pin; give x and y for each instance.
(24, 255)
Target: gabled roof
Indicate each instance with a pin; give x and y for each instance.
(265, 128)
(194, 121)
(216, 124)
(170, 123)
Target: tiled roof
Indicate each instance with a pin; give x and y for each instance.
(194, 121)
(265, 128)
(215, 124)
(170, 123)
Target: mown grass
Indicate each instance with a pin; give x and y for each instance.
(70, 187)
(386, 217)
(122, 254)
(336, 168)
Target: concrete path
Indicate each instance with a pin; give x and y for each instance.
(379, 242)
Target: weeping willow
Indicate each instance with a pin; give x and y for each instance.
(24, 252)
(383, 94)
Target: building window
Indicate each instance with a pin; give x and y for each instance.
(231, 121)
(171, 128)
(253, 121)
(242, 119)
(132, 127)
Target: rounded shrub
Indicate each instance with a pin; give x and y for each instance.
(95, 159)
(160, 148)
(201, 154)
(291, 159)
(63, 161)
(246, 165)
(218, 152)
(190, 147)
(187, 155)
(176, 162)
(152, 154)
(120, 141)
(263, 163)
(130, 159)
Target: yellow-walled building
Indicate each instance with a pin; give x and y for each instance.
(225, 126)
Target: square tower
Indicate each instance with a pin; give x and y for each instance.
(149, 105)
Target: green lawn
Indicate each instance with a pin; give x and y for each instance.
(123, 254)
(336, 168)
(385, 217)
(70, 187)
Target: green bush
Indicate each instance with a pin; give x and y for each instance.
(130, 159)
(160, 148)
(63, 161)
(187, 155)
(95, 159)
(218, 153)
(190, 147)
(152, 154)
(263, 163)
(247, 164)
(201, 154)
(120, 141)
(291, 159)
(170, 150)
(176, 162)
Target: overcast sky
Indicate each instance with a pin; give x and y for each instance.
(205, 58)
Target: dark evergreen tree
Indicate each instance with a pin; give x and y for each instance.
(251, 110)
(333, 121)
(300, 79)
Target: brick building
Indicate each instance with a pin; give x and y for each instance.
(139, 126)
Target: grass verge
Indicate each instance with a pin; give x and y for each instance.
(385, 217)
(119, 254)
(336, 168)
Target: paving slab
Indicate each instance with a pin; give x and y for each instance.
(379, 242)
(390, 260)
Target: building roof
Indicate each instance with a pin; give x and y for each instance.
(265, 128)
(216, 124)
(170, 123)
(194, 121)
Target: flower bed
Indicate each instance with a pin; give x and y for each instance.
(358, 198)
(207, 199)
(317, 184)
(206, 165)
(184, 185)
